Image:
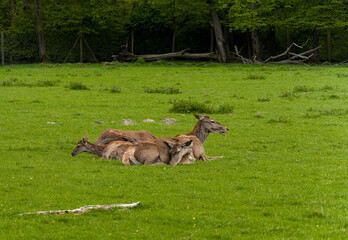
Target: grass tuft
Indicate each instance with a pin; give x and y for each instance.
(140, 61)
(115, 89)
(255, 77)
(301, 89)
(327, 88)
(189, 106)
(15, 82)
(46, 83)
(77, 86)
(279, 120)
(162, 90)
(317, 113)
(264, 99)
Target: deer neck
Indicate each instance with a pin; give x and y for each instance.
(200, 132)
(95, 149)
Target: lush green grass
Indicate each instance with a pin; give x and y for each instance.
(283, 176)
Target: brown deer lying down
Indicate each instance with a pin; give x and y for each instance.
(204, 126)
(200, 133)
(151, 153)
(113, 150)
(110, 135)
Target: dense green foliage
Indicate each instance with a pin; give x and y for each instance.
(162, 25)
(283, 175)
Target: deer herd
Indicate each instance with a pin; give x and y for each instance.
(142, 147)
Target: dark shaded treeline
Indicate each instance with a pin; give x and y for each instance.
(46, 30)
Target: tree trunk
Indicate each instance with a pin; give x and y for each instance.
(255, 38)
(248, 44)
(132, 42)
(81, 48)
(2, 49)
(40, 33)
(315, 44)
(219, 37)
(287, 40)
(255, 43)
(271, 41)
(173, 41)
(211, 40)
(329, 49)
(13, 12)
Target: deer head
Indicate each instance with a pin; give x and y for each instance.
(210, 125)
(179, 149)
(81, 146)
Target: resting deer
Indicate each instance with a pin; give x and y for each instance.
(110, 135)
(168, 151)
(113, 150)
(151, 153)
(166, 144)
(200, 133)
(204, 126)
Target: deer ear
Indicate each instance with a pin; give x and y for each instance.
(199, 117)
(187, 143)
(85, 138)
(169, 144)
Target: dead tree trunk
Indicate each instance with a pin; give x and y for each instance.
(40, 33)
(219, 37)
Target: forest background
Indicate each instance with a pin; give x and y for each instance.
(46, 30)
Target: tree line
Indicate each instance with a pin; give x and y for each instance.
(92, 30)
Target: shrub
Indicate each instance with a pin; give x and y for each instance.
(189, 106)
(225, 108)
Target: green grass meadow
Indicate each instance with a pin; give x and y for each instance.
(284, 173)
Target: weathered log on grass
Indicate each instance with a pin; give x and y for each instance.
(126, 56)
(84, 209)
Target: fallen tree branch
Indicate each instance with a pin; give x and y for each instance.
(296, 57)
(306, 52)
(336, 65)
(126, 56)
(84, 209)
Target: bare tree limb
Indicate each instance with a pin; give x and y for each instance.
(306, 52)
(336, 65)
(84, 209)
(294, 59)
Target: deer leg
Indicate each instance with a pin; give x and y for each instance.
(186, 160)
(156, 161)
(203, 157)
